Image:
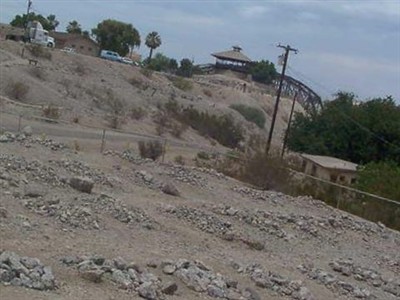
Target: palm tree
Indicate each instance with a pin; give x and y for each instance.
(74, 27)
(153, 41)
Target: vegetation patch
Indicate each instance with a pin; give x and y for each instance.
(150, 149)
(39, 51)
(17, 90)
(181, 83)
(251, 114)
(51, 112)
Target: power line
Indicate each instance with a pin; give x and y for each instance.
(278, 95)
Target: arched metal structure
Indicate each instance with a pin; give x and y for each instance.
(309, 99)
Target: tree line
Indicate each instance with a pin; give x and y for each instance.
(363, 132)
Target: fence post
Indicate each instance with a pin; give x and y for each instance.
(103, 141)
(164, 150)
(19, 123)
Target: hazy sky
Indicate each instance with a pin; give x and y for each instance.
(344, 45)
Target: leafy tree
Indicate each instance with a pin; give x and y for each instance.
(53, 22)
(160, 63)
(153, 41)
(173, 65)
(263, 71)
(361, 133)
(116, 36)
(381, 178)
(186, 68)
(74, 27)
(50, 23)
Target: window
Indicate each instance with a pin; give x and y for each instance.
(90, 49)
(73, 45)
(353, 180)
(333, 177)
(342, 178)
(304, 165)
(81, 47)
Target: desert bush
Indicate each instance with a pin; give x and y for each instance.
(208, 93)
(51, 112)
(17, 90)
(75, 119)
(80, 69)
(251, 114)
(150, 149)
(146, 72)
(181, 83)
(179, 160)
(177, 129)
(76, 146)
(219, 127)
(203, 155)
(37, 73)
(137, 113)
(39, 51)
(115, 121)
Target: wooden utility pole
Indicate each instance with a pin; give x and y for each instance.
(278, 95)
(288, 125)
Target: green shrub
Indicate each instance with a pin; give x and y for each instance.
(181, 83)
(251, 114)
(150, 149)
(203, 155)
(137, 113)
(146, 72)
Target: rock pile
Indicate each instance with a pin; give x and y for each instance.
(84, 212)
(25, 271)
(279, 284)
(372, 277)
(186, 175)
(129, 276)
(25, 139)
(200, 219)
(193, 274)
(334, 283)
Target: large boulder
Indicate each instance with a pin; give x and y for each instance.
(82, 184)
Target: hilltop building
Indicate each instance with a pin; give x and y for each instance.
(329, 168)
(233, 60)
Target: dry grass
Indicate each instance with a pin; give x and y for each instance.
(17, 90)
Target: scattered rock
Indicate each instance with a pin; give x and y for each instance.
(27, 130)
(169, 288)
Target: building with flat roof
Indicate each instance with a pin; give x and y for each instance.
(329, 168)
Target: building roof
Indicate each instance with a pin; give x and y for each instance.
(331, 162)
(233, 55)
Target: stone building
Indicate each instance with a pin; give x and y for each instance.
(329, 168)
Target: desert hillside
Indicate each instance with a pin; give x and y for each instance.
(78, 223)
(88, 89)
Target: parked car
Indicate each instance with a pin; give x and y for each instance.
(110, 55)
(127, 60)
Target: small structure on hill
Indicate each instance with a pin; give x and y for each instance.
(233, 60)
(329, 168)
(81, 43)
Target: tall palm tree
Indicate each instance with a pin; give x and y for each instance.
(153, 41)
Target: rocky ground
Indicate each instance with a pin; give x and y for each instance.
(85, 225)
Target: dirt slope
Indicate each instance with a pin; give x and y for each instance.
(264, 244)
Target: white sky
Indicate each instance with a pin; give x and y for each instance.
(344, 45)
